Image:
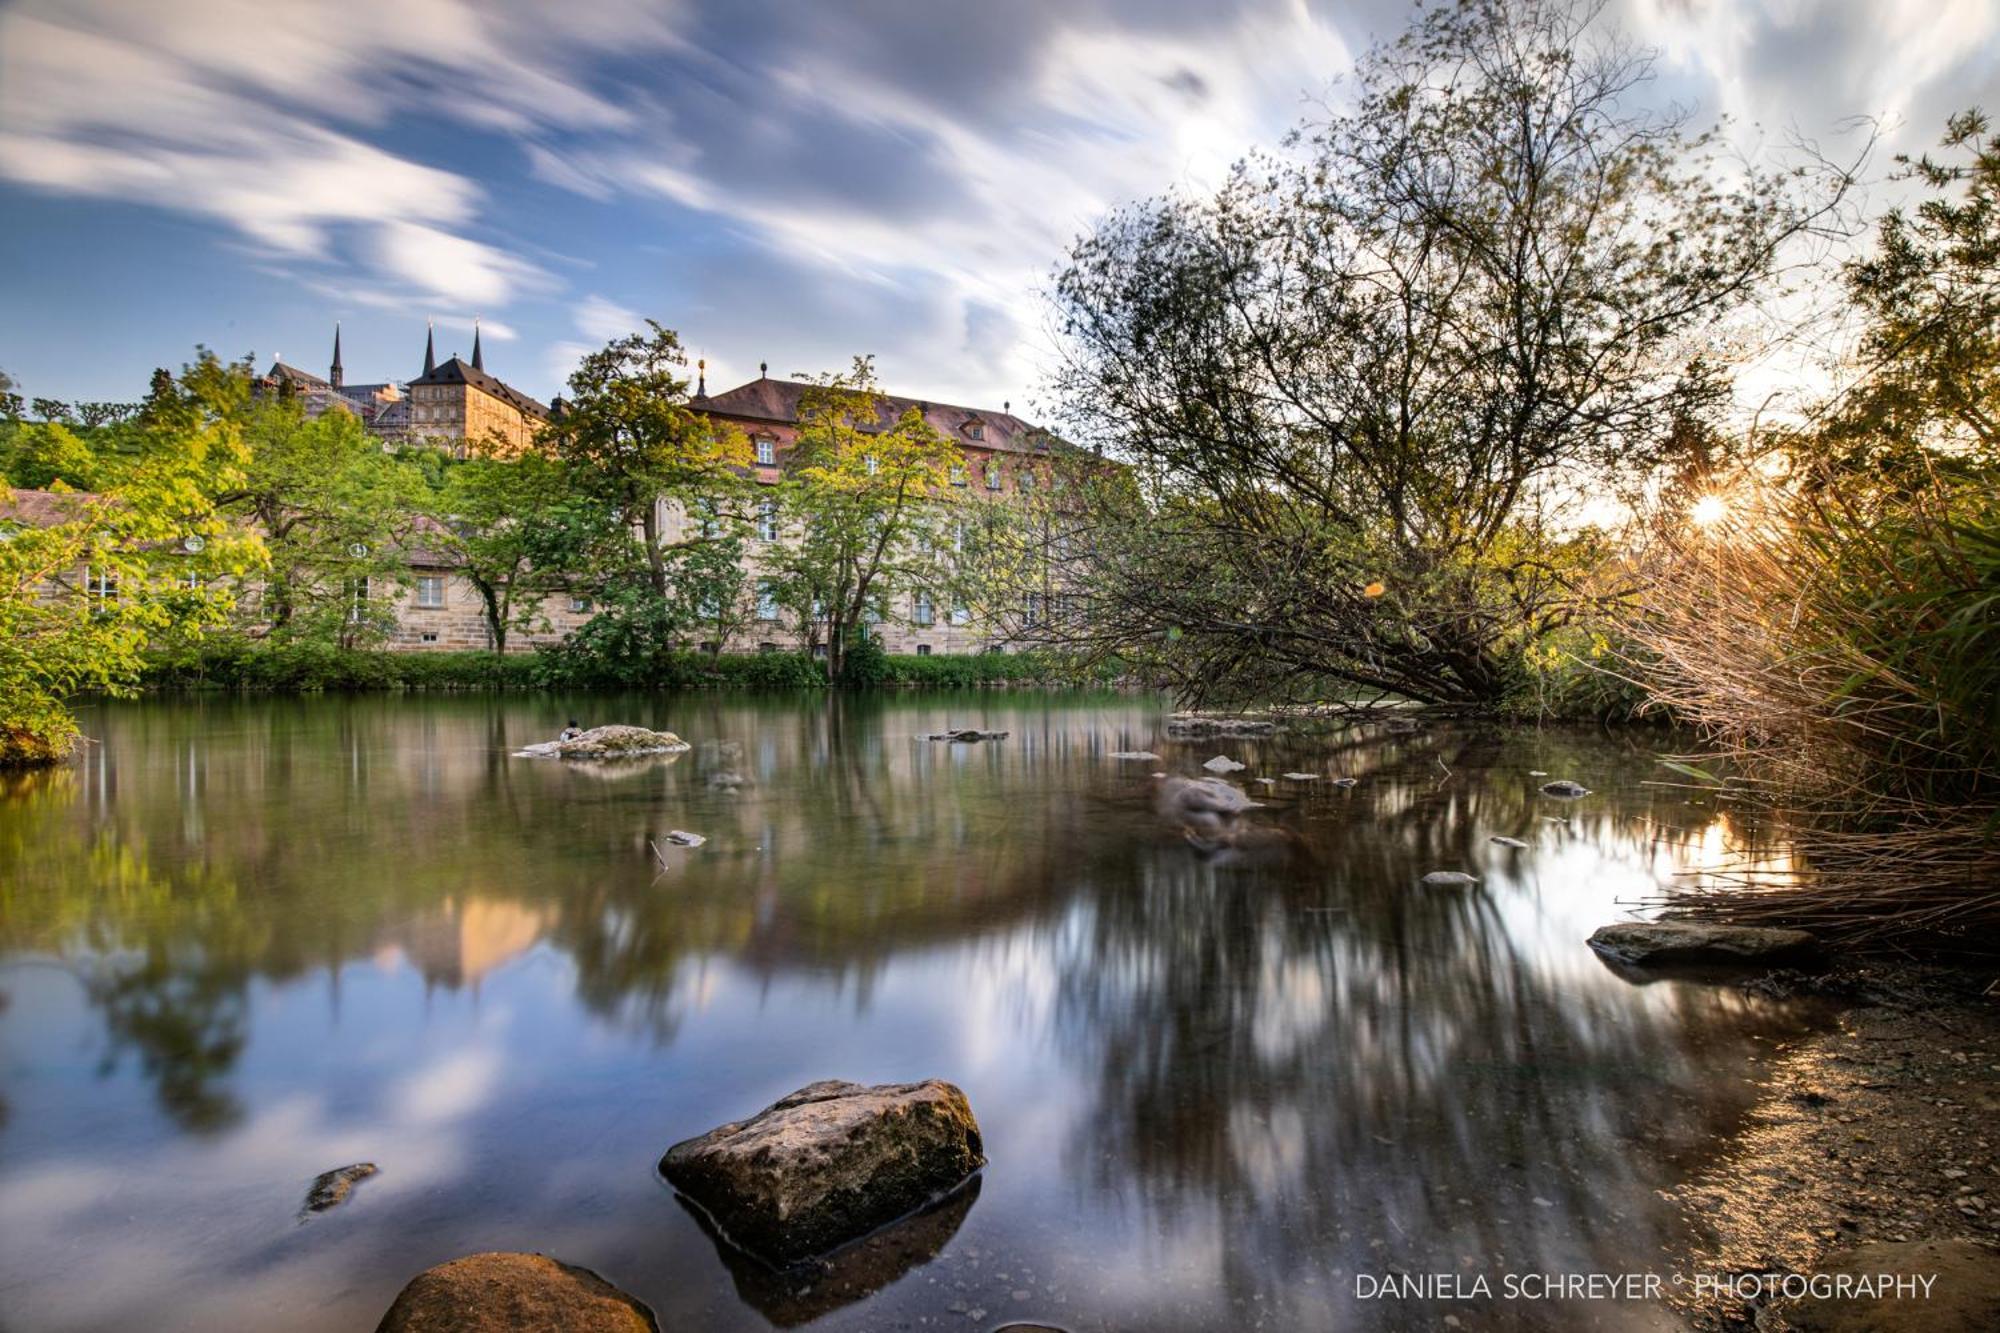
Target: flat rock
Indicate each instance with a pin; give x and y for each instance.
(1963, 1297)
(1446, 879)
(682, 838)
(517, 1293)
(1565, 790)
(331, 1188)
(828, 1164)
(1196, 726)
(1664, 943)
(1302, 777)
(1222, 763)
(612, 742)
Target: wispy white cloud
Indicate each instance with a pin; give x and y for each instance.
(602, 319)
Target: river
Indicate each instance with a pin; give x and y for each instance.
(245, 941)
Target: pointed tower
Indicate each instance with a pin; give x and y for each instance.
(430, 348)
(478, 361)
(336, 375)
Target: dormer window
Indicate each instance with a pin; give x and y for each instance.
(767, 451)
(975, 430)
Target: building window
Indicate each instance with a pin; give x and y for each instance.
(579, 606)
(357, 600)
(767, 647)
(958, 474)
(923, 650)
(100, 586)
(975, 430)
(767, 600)
(992, 476)
(1034, 612)
(1026, 481)
(872, 464)
(767, 521)
(709, 646)
(767, 451)
(711, 525)
(961, 614)
(428, 636)
(921, 610)
(430, 590)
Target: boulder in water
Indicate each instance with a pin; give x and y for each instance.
(1565, 790)
(514, 1293)
(1222, 763)
(331, 1188)
(610, 742)
(1666, 943)
(827, 1164)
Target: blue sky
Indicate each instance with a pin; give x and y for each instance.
(792, 182)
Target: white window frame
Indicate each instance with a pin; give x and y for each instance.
(767, 600)
(922, 610)
(767, 451)
(428, 584)
(767, 521)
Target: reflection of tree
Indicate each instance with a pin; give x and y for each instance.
(1321, 1060)
(187, 1022)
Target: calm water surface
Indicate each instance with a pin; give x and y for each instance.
(244, 942)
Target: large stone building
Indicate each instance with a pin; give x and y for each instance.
(1003, 455)
(456, 404)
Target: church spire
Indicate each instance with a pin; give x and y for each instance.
(701, 385)
(478, 361)
(430, 347)
(336, 376)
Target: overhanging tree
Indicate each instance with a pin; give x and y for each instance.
(1362, 388)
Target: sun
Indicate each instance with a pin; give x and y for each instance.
(1709, 510)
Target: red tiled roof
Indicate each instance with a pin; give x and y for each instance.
(778, 401)
(42, 509)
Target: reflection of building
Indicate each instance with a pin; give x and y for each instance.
(462, 941)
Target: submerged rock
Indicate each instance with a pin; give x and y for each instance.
(1565, 790)
(1134, 754)
(1302, 777)
(1196, 726)
(514, 1293)
(1961, 1295)
(1347, 782)
(331, 1188)
(1206, 809)
(1222, 763)
(827, 1164)
(1448, 879)
(612, 742)
(682, 838)
(1661, 943)
(968, 734)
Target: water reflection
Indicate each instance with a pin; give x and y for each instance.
(315, 931)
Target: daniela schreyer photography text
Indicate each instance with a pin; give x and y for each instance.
(1642, 1286)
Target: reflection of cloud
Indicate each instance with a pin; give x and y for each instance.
(450, 1090)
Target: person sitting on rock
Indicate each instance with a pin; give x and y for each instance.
(570, 732)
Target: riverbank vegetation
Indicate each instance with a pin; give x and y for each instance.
(1835, 623)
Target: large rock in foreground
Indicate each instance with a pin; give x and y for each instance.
(827, 1164)
(1676, 943)
(612, 742)
(519, 1293)
(1962, 1294)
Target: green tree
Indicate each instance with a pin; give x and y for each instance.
(519, 533)
(334, 509)
(864, 499)
(1362, 389)
(88, 584)
(628, 435)
(48, 454)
